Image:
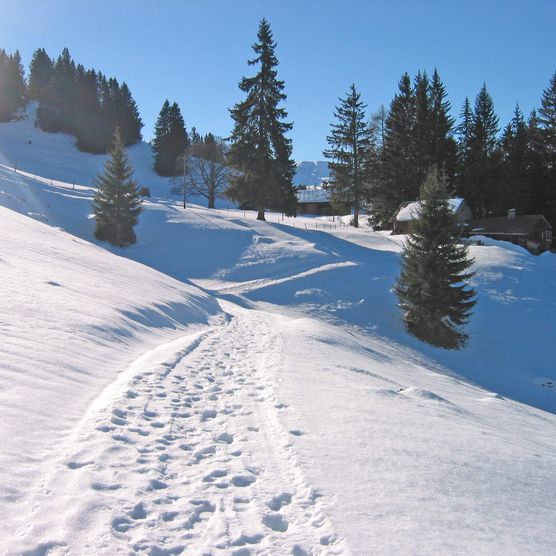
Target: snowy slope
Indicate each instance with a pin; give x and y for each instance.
(35, 151)
(310, 173)
(299, 418)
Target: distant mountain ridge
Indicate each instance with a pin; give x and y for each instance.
(310, 172)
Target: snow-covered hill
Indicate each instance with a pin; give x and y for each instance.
(230, 386)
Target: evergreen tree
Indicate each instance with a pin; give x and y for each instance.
(127, 117)
(514, 182)
(537, 179)
(399, 169)
(83, 102)
(117, 204)
(432, 287)
(40, 73)
(443, 144)
(12, 84)
(170, 139)
(58, 104)
(422, 129)
(547, 126)
(260, 151)
(482, 161)
(195, 136)
(352, 153)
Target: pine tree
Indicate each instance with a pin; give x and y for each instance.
(40, 72)
(117, 204)
(432, 287)
(260, 151)
(352, 152)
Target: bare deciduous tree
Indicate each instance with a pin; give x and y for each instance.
(206, 172)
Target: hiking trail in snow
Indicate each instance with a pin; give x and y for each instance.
(187, 456)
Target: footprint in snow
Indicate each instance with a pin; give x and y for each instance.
(243, 481)
(276, 522)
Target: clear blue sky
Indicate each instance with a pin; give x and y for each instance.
(195, 51)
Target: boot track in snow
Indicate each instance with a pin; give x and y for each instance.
(188, 457)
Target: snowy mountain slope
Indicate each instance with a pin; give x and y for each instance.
(308, 422)
(72, 317)
(55, 155)
(311, 173)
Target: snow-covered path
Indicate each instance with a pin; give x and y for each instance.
(186, 453)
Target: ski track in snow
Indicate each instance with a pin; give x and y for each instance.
(189, 458)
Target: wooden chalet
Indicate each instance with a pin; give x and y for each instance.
(531, 231)
(314, 200)
(408, 212)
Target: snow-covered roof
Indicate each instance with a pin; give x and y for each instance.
(411, 210)
(313, 195)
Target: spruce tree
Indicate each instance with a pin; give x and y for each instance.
(443, 144)
(514, 184)
(399, 169)
(483, 160)
(432, 288)
(352, 153)
(170, 139)
(260, 152)
(40, 72)
(117, 204)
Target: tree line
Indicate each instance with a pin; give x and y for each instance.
(378, 161)
(71, 99)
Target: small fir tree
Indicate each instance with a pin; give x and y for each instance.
(432, 288)
(117, 203)
(352, 153)
(260, 152)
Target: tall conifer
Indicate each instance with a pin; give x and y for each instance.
(352, 153)
(260, 151)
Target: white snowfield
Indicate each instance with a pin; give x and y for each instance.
(227, 386)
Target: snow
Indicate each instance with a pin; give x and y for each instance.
(411, 211)
(311, 173)
(313, 195)
(229, 386)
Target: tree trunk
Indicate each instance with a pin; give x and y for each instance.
(356, 217)
(211, 202)
(260, 214)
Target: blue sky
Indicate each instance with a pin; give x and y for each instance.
(195, 51)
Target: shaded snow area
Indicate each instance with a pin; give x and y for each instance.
(228, 386)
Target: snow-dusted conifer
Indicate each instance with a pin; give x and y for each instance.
(117, 204)
(433, 287)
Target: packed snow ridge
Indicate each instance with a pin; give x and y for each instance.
(227, 386)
